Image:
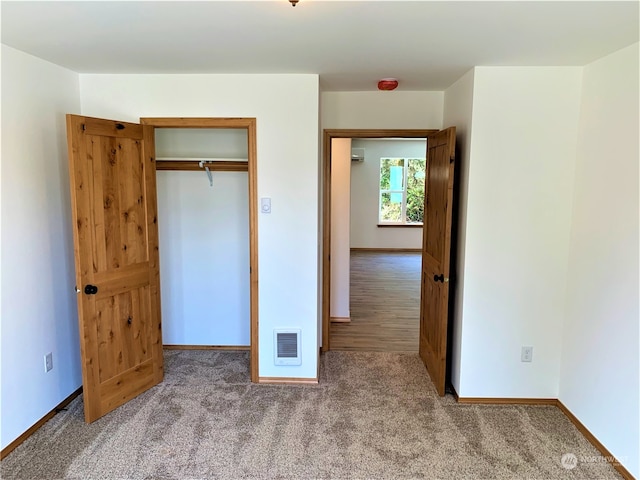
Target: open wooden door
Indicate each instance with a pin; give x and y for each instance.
(436, 248)
(113, 197)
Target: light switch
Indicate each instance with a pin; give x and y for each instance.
(265, 205)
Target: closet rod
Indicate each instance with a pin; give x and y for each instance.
(194, 165)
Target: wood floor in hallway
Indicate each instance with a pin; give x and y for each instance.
(385, 304)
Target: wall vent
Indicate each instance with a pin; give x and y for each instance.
(287, 346)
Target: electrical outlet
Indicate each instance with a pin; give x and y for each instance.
(48, 362)
(527, 354)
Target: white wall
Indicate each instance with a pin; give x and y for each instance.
(340, 218)
(365, 185)
(39, 313)
(220, 143)
(286, 108)
(204, 258)
(599, 375)
(520, 191)
(381, 109)
(458, 110)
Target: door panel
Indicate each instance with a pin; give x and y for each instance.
(435, 208)
(122, 345)
(116, 250)
(119, 220)
(436, 249)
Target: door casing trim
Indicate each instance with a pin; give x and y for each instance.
(328, 135)
(248, 124)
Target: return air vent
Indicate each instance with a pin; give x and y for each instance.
(287, 347)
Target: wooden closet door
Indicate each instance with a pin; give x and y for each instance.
(113, 196)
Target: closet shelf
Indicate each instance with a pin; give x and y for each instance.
(193, 164)
(199, 159)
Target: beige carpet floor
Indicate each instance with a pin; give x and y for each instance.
(373, 416)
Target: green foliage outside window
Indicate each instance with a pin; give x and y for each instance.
(415, 190)
(393, 191)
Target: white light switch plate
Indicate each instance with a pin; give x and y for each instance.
(265, 205)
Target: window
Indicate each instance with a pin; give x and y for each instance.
(401, 199)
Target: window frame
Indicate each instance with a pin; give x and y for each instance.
(405, 185)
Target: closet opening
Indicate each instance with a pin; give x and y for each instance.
(207, 210)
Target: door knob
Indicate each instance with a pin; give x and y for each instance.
(90, 289)
(440, 278)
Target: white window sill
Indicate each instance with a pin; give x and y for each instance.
(400, 225)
